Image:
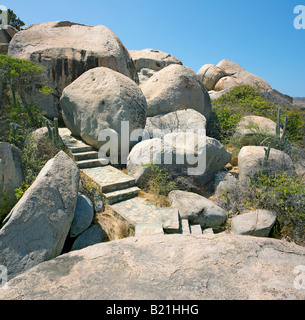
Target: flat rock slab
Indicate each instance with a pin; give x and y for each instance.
(140, 211)
(110, 178)
(71, 141)
(172, 267)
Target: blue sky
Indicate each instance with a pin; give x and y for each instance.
(257, 34)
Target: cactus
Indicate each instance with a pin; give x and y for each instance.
(56, 133)
(278, 123)
(267, 155)
(53, 131)
(49, 130)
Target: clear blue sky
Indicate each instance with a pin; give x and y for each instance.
(257, 34)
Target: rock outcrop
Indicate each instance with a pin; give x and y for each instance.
(175, 88)
(101, 99)
(150, 61)
(227, 75)
(67, 50)
(11, 176)
(39, 223)
(172, 267)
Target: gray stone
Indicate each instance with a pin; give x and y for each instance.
(256, 223)
(40, 221)
(197, 209)
(101, 99)
(175, 88)
(83, 216)
(11, 176)
(172, 267)
(66, 50)
(90, 237)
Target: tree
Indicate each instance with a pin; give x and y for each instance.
(14, 21)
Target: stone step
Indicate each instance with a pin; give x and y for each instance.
(185, 226)
(91, 163)
(121, 195)
(109, 178)
(196, 229)
(80, 156)
(149, 229)
(81, 149)
(138, 211)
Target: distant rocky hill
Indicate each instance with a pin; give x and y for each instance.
(299, 101)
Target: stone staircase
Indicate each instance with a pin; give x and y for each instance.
(122, 193)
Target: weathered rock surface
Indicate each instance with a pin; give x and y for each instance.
(192, 157)
(150, 61)
(175, 88)
(227, 75)
(101, 99)
(253, 125)
(197, 209)
(40, 221)
(173, 267)
(250, 161)
(256, 223)
(177, 121)
(11, 176)
(83, 216)
(90, 237)
(67, 50)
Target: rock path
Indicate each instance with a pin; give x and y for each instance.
(122, 193)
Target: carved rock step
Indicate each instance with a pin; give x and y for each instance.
(88, 155)
(91, 163)
(121, 195)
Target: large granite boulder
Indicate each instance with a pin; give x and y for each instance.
(175, 88)
(251, 158)
(197, 209)
(150, 61)
(39, 223)
(11, 176)
(101, 99)
(67, 50)
(171, 267)
(193, 157)
(176, 121)
(227, 75)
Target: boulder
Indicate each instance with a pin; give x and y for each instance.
(227, 74)
(256, 223)
(171, 267)
(11, 176)
(66, 50)
(177, 121)
(175, 88)
(250, 125)
(149, 61)
(90, 237)
(101, 99)
(201, 211)
(224, 182)
(83, 216)
(40, 221)
(192, 157)
(250, 161)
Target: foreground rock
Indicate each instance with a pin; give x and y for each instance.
(175, 88)
(192, 158)
(256, 223)
(67, 50)
(150, 61)
(228, 75)
(173, 267)
(250, 161)
(101, 99)
(40, 221)
(197, 209)
(177, 121)
(11, 176)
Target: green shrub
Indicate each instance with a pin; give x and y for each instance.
(245, 100)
